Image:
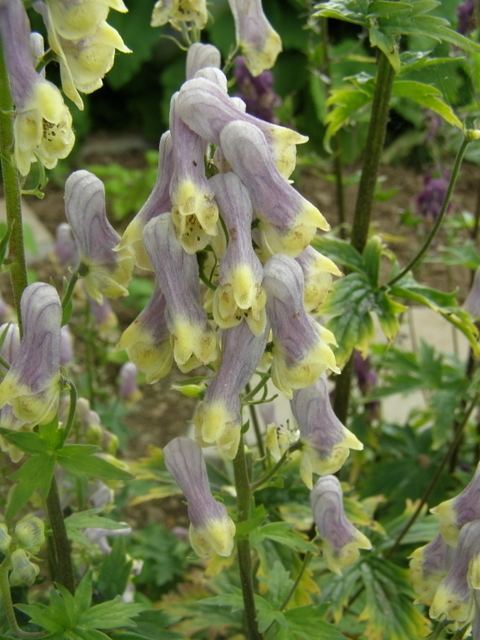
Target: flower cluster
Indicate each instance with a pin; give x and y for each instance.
(446, 572)
(20, 546)
(84, 45)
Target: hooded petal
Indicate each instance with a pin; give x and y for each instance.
(127, 383)
(428, 566)
(341, 540)
(317, 273)
(239, 293)
(472, 302)
(65, 248)
(109, 270)
(200, 56)
(10, 334)
(211, 529)
(180, 12)
(74, 19)
(326, 442)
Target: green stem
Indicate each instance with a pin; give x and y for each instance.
(244, 503)
(6, 601)
(63, 569)
(11, 188)
(433, 232)
(366, 191)
(256, 428)
(271, 472)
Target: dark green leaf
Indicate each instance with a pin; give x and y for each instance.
(80, 460)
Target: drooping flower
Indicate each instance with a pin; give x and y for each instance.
(326, 442)
(288, 221)
(76, 19)
(178, 278)
(207, 109)
(318, 272)
(218, 417)
(30, 533)
(256, 38)
(201, 56)
(108, 269)
(192, 13)
(239, 293)
(194, 210)
(127, 383)
(158, 202)
(256, 91)
(42, 123)
(23, 570)
(211, 529)
(428, 566)
(367, 381)
(65, 249)
(472, 302)
(430, 200)
(341, 540)
(31, 385)
(301, 351)
(463, 508)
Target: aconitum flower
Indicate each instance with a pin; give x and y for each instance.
(211, 529)
(430, 200)
(341, 540)
(177, 276)
(158, 202)
(288, 221)
(201, 56)
(428, 566)
(23, 571)
(180, 12)
(42, 124)
(207, 109)
(318, 272)
(256, 38)
(301, 351)
(218, 416)
(76, 19)
(326, 442)
(108, 269)
(239, 293)
(454, 513)
(127, 383)
(10, 334)
(472, 302)
(30, 533)
(454, 597)
(31, 385)
(194, 210)
(256, 91)
(65, 249)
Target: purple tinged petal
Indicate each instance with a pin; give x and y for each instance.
(211, 529)
(318, 272)
(341, 540)
(258, 93)
(472, 302)
(428, 566)
(158, 202)
(109, 269)
(218, 416)
(200, 56)
(178, 278)
(301, 350)
(128, 386)
(65, 248)
(10, 334)
(215, 76)
(66, 346)
(239, 293)
(105, 319)
(326, 442)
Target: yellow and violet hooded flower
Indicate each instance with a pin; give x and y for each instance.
(108, 269)
(301, 351)
(30, 389)
(42, 123)
(10, 334)
(428, 566)
(454, 513)
(326, 443)
(158, 202)
(211, 529)
(76, 19)
(218, 417)
(194, 210)
(318, 272)
(177, 277)
(201, 56)
(341, 540)
(180, 12)
(239, 293)
(206, 108)
(259, 42)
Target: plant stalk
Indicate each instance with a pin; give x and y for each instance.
(366, 191)
(244, 502)
(63, 569)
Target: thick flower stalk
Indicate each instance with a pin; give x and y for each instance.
(177, 276)
(218, 417)
(178, 13)
(428, 566)
(326, 443)
(108, 270)
(341, 540)
(301, 351)
(42, 123)
(239, 294)
(211, 529)
(158, 202)
(256, 38)
(318, 272)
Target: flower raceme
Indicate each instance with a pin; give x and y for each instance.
(108, 269)
(211, 529)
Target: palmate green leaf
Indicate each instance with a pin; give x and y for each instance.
(426, 96)
(354, 11)
(34, 475)
(149, 625)
(282, 533)
(81, 460)
(346, 101)
(28, 442)
(111, 615)
(340, 251)
(307, 623)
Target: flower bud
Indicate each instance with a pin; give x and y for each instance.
(218, 416)
(109, 270)
(472, 302)
(211, 529)
(23, 571)
(301, 351)
(239, 293)
(30, 533)
(74, 19)
(178, 278)
(341, 540)
(5, 538)
(65, 249)
(128, 387)
(256, 38)
(326, 442)
(180, 12)
(428, 566)
(317, 273)
(201, 56)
